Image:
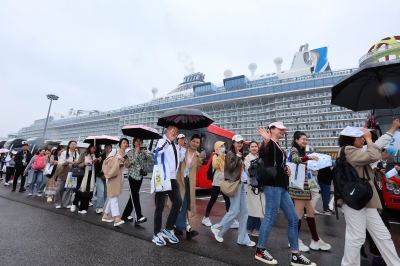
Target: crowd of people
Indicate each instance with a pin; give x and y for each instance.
(253, 214)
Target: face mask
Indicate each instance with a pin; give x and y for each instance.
(223, 149)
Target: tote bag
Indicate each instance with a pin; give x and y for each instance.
(49, 169)
(160, 180)
(297, 176)
(71, 181)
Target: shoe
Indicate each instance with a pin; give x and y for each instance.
(58, 207)
(254, 233)
(299, 260)
(159, 240)
(119, 223)
(19, 181)
(177, 231)
(22, 191)
(302, 247)
(99, 211)
(94, 198)
(30, 194)
(49, 199)
(90, 204)
(206, 221)
(141, 220)
(316, 212)
(82, 212)
(328, 212)
(263, 255)
(6, 184)
(319, 245)
(251, 244)
(13, 190)
(73, 208)
(216, 232)
(69, 207)
(170, 235)
(39, 194)
(191, 233)
(129, 218)
(107, 220)
(235, 224)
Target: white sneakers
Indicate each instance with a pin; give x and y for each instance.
(49, 199)
(216, 232)
(73, 208)
(39, 194)
(99, 211)
(82, 212)
(319, 245)
(302, 246)
(235, 224)
(206, 221)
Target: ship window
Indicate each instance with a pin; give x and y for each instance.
(285, 87)
(277, 89)
(328, 81)
(319, 82)
(310, 84)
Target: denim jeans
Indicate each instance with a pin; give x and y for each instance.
(42, 184)
(37, 178)
(253, 223)
(326, 195)
(275, 198)
(101, 193)
(238, 205)
(181, 220)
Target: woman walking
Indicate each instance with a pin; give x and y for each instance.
(51, 180)
(9, 167)
(302, 197)
(136, 157)
(357, 222)
(234, 167)
(255, 203)
(101, 185)
(114, 187)
(85, 185)
(218, 164)
(66, 161)
(276, 196)
(36, 166)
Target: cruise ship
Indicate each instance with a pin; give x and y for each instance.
(300, 97)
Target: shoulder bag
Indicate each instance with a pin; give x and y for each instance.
(111, 167)
(230, 188)
(266, 172)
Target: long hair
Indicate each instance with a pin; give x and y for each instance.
(68, 148)
(233, 149)
(296, 136)
(96, 153)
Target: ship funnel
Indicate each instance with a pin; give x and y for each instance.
(252, 68)
(154, 91)
(278, 62)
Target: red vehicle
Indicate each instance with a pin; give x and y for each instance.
(391, 192)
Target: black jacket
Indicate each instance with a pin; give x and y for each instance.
(266, 152)
(325, 176)
(18, 160)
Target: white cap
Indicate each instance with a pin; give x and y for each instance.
(181, 136)
(237, 138)
(355, 132)
(277, 125)
(14, 152)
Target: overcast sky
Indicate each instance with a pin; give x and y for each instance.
(106, 55)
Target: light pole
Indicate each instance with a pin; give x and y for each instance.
(51, 97)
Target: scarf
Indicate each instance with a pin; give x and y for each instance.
(88, 159)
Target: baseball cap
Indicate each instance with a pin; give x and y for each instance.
(14, 152)
(181, 136)
(355, 132)
(237, 138)
(277, 125)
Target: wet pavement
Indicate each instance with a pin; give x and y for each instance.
(32, 231)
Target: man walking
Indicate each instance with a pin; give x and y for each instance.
(21, 161)
(173, 155)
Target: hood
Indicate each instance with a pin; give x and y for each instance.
(218, 145)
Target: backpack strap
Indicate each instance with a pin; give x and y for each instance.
(365, 170)
(162, 161)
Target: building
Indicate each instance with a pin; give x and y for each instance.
(299, 97)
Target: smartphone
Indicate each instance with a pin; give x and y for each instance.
(203, 154)
(142, 148)
(126, 156)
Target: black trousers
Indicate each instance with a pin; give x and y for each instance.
(214, 196)
(372, 246)
(83, 197)
(135, 187)
(9, 173)
(175, 197)
(19, 172)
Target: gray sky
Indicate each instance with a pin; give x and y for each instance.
(105, 55)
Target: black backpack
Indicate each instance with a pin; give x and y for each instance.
(211, 170)
(355, 191)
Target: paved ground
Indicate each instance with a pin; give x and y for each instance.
(33, 232)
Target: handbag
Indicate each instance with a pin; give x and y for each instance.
(298, 175)
(71, 181)
(230, 188)
(111, 167)
(78, 172)
(142, 172)
(160, 180)
(266, 172)
(49, 169)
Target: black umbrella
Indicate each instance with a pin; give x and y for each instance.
(184, 118)
(141, 131)
(374, 86)
(101, 139)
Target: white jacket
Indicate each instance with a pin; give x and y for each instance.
(164, 146)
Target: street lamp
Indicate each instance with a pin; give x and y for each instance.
(51, 97)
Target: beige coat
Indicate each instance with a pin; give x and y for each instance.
(358, 159)
(194, 168)
(114, 185)
(255, 203)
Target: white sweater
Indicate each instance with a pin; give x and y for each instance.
(164, 146)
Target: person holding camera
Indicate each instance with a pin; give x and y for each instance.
(136, 157)
(85, 185)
